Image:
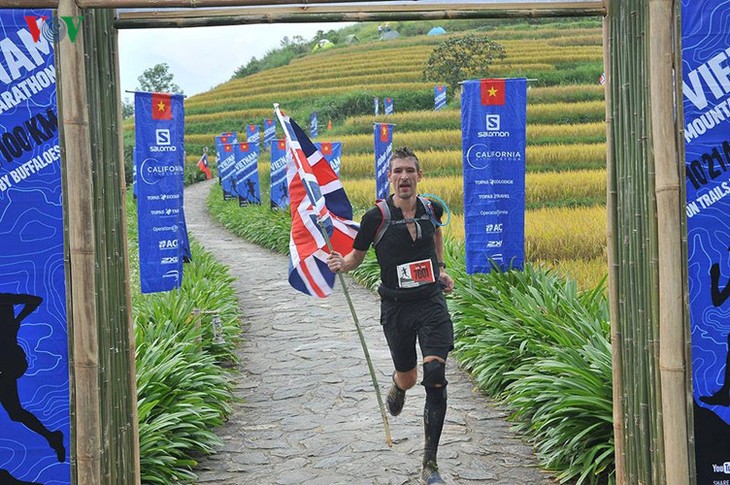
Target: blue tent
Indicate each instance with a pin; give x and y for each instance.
(437, 31)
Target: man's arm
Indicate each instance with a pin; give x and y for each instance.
(336, 262)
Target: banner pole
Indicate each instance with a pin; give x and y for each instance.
(388, 439)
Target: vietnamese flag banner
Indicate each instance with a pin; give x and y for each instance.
(493, 124)
(279, 193)
(246, 173)
(439, 97)
(388, 102)
(383, 134)
(269, 133)
(706, 96)
(34, 371)
(226, 161)
(160, 154)
(332, 152)
(252, 134)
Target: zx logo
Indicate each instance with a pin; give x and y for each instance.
(36, 27)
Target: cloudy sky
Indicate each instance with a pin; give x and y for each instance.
(202, 57)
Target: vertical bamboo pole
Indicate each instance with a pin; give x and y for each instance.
(82, 251)
(616, 334)
(671, 324)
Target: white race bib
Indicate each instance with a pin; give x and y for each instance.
(411, 275)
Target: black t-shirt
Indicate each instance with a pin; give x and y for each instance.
(397, 247)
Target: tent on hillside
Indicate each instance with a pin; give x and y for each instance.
(323, 45)
(437, 31)
(389, 34)
(351, 39)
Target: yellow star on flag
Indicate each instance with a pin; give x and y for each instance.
(161, 106)
(492, 91)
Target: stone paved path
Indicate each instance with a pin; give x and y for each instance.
(306, 411)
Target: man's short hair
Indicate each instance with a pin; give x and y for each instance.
(404, 152)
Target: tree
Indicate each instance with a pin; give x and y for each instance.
(158, 79)
(459, 58)
(127, 108)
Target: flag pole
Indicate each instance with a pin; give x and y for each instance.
(388, 439)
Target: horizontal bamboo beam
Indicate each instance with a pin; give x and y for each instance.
(287, 15)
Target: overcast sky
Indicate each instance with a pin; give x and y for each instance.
(202, 57)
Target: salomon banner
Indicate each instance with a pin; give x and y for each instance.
(383, 134)
(439, 97)
(269, 133)
(159, 131)
(706, 102)
(279, 193)
(34, 373)
(226, 161)
(313, 125)
(246, 173)
(252, 134)
(388, 106)
(332, 152)
(493, 119)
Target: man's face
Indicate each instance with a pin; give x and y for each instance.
(404, 177)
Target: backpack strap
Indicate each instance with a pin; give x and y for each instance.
(386, 220)
(382, 204)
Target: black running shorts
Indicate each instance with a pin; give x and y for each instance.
(426, 319)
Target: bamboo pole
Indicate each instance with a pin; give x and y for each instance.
(130, 337)
(616, 334)
(671, 324)
(82, 251)
(270, 16)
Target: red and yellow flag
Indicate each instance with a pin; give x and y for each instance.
(492, 92)
(161, 106)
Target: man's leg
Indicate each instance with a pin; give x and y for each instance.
(434, 414)
(402, 381)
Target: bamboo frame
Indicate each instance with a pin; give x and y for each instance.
(83, 311)
(287, 15)
(672, 366)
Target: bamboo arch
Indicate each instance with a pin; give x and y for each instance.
(646, 230)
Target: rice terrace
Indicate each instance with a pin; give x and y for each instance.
(590, 365)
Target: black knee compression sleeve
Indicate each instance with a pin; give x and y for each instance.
(434, 412)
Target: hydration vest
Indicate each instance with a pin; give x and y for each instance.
(387, 221)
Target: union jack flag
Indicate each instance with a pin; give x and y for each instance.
(203, 165)
(316, 197)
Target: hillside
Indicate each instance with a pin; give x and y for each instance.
(566, 187)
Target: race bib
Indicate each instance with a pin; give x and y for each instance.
(415, 274)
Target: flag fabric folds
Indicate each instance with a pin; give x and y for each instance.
(317, 200)
(203, 165)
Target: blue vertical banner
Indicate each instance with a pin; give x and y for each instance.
(388, 106)
(313, 125)
(279, 193)
(493, 124)
(332, 152)
(246, 173)
(269, 133)
(34, 373)
(376, 106)
(439, 97)
(383, 138)
(159, 130)
(706, 96)
(252, 134)
(226, 161)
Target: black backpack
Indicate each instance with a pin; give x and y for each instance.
(382, 204)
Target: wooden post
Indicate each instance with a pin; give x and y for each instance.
(82, 308)
(672, 366)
